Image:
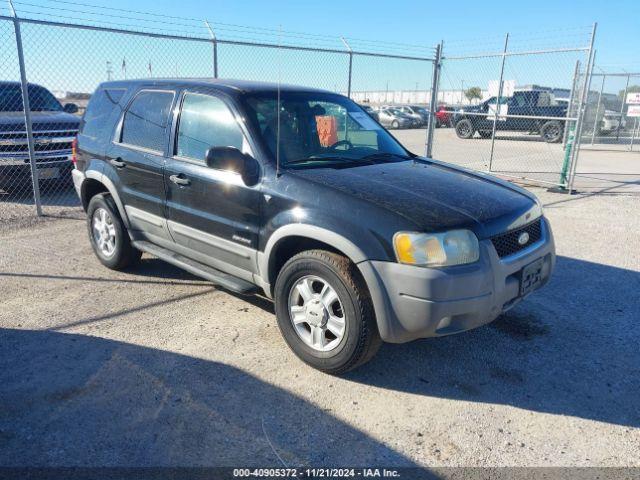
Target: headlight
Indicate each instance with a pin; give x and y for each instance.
(455, 247)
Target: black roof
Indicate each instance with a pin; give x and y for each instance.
(238, 86)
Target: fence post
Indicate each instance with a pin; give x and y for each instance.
(350, 65)
(500, 82)
(581, 109)
(595, 121)
(27, 114)
(572, 97)
(624, 99)
(433, 101)
(214, 41)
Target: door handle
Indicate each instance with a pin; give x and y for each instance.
(180, 180)
(117, 162)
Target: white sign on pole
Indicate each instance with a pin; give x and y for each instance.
(508, 87)
(633, 98)
(633, 111)
(501, 112)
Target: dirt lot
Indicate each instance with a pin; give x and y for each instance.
(156, 367)
(601, 167)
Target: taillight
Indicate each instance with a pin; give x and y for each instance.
(74, 151)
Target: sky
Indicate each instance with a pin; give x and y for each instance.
(403, 27)
(426, 21)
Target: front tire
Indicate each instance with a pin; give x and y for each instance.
(395, 124)
(108, 234)
(464, 129)
(551, 132)
(324, 312)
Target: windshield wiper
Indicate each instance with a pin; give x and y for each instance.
(312, 159)
(328, 159)
(384, 155)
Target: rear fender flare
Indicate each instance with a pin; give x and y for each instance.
(106, 181)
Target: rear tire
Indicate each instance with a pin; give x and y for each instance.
(395, 124)
(108, 234)
(464, 129)
(324, 312)
(551, 132)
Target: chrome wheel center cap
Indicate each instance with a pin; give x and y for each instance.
(317, 315)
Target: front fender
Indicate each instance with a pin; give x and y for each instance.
(356, 242)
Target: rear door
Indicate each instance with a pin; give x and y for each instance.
(212, 215)
(137, 155)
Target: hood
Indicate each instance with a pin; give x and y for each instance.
(471, 108)
(432, 196)
(40, 120)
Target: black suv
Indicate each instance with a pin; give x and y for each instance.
(300, 194)
(54, 128)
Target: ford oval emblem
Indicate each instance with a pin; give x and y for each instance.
(523, 238)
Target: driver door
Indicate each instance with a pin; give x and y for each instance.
(212, 215)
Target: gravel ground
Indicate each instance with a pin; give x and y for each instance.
(155, 367)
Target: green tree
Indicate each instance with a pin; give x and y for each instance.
(473, 93)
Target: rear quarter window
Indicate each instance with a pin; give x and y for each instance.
(103, 102)
(145, 121)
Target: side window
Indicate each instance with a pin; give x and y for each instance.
(544, 99)
(101, 104)
(519, 100)
(145, 121)
(205, 121)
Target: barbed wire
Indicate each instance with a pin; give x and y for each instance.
(194, 27)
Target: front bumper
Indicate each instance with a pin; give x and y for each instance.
(78, 177)
(19, 167)
(416, 302)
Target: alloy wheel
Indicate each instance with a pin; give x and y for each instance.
(316, 313)
(104, 232)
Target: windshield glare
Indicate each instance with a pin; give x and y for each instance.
(318, 129)
(40, 99)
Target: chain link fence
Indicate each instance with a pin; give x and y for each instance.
(612, 116)
(64, 63)
(512, 111)
(520, 105)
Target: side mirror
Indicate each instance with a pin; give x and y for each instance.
(231, 159)
(70, 108)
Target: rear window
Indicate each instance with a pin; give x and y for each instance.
(145, 122)
(100, 107)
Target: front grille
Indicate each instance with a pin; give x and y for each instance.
(49, 144)
(39, 147)
(507, 243)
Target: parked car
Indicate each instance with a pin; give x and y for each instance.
(611, 122)
(412, 112)
(444, 117)
(54, 129)
(355, 239)
(369, 109)
(516, 113)
(394, 118)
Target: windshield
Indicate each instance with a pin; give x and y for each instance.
(318, 129)
(40, 99)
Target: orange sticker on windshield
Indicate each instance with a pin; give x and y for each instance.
(327, 130)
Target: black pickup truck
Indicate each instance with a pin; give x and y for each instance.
(534, 111)
(54, 128)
